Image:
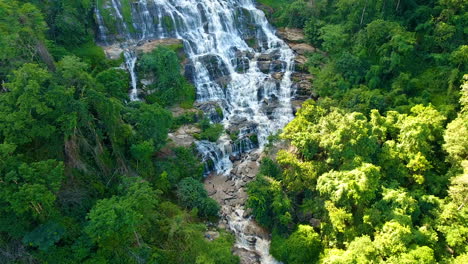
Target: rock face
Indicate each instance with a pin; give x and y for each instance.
(183, 137)
(114, 52)
(301, 78)
(153, 44)
(212, 110)
(291, 34)
(302, 48)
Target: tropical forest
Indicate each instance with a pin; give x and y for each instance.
(233, 131)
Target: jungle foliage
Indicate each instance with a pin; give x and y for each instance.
(81, 180)
(377, 168)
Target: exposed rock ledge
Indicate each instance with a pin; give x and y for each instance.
(114, 51)
(295, 39)
(291, 34)
(302, 80)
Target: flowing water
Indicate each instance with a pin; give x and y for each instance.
(236, 60)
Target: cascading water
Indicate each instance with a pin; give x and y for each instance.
(236, 60)
(130, 63)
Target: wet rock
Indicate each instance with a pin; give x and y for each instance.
(251, 240)
(246, 54)
(255, 230)
(214, 65)
(244, 127)
(233, 158)
(271, 66)
(273, 55)
(189, 72)
(278, 65)
(246, 256)
(277, 75)
(264, 66)
(212, 110)
(223, 81)
(296, 105)
(303, 86)
(269, 105)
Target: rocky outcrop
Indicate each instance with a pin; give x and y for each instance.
(271, 66)
(292, 35)
(302, 48)
(301, 78)
(150, 45)
(183, 137)
(113, 52)
(303, 85)
(212, 110)
(269, 105)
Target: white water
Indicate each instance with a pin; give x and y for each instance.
(216, 34)
(130, 62)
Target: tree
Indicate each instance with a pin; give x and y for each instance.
(151, 122)
(393, 239)
(355, 188)
(22, 36)
(271, 206)
(192, 194)
(30, 189)
(360, 250)
(114, 83)
(117, 222)
(302, 246)
(169, 85)
(456, 134)
(44, 236)
(333, 37)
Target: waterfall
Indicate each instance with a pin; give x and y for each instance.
(130, 63)
(236, 59)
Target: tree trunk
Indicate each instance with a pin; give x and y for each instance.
(45, 55)
(363, 11)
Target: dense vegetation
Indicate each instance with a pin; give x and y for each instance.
(80, 181)
(377, 171)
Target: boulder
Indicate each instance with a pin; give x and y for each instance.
(264, 66)
(271, 66)
(277, 75)
(269, 105)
